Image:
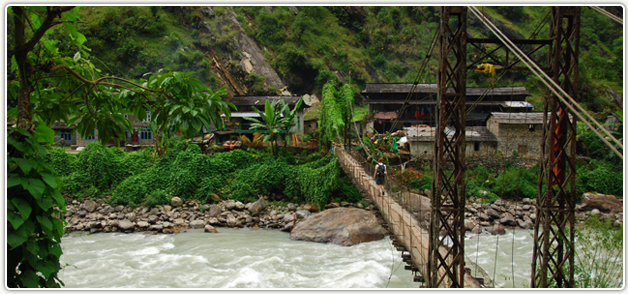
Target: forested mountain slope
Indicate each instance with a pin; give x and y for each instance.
(265, 50)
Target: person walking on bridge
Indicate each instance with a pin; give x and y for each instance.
(380, 175)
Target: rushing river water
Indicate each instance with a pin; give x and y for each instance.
(246, 258)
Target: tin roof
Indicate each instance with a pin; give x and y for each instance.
(534, 118)
(261, 100)
(472, 134)
(433, 88)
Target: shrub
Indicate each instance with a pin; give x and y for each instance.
(132, 190)
(100, 166)
(157, 197)
(61, 161)
(346, 191)
(425, 182)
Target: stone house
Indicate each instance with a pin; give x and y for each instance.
(385, 101)
(141, 135)
(481, 143)
(238, 126)
(520, 132)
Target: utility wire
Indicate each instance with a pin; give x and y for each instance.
(551, 84)
(612, 16)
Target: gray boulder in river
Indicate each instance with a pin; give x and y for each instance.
(341, 226)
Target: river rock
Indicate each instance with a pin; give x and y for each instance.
(156, 227)
(178, 222)
(214, 210)
(143, 224)
(125, 224)
(89, 205)
(303, 213)
(287, 227)
(153, 218)
(210, 229)
(231, 220)
(288, 217)
(508, 220)
(292, 207)
(469, 224)
(229, 205)
(342, 226)
(239, 205)
(602, 202)
(176, 202)
(107, 210)
(498, 230)
(131, 216)
(492, 213)
(258, 206)
(197, 224)
(477, 229)
(119, 208)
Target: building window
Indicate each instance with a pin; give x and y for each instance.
(90, 137)
(146, 134)
(476, 146)
(66, 135)
(523, 149)
(148, 117)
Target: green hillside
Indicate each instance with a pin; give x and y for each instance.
(307, 45)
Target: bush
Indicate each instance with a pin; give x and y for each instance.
(61, 161)
(157, 197)
(100, 167)
(425, 182)
(132, 191)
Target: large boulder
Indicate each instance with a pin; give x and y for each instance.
(341, 226)
(89, 205)
(258, 206)
(604, 203)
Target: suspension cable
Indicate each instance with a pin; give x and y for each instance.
(551, 84)
(610, 15)
(418, 76)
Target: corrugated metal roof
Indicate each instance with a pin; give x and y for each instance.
(534, 118)
(261, 100)
(433, 88)
(243, 114)
(472, 134)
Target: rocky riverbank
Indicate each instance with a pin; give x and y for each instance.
(501, 214)
(99, 216)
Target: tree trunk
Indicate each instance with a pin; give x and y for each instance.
(24, 117)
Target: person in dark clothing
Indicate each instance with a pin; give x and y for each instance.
(380, 175)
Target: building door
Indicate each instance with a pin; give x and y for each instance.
(135, 138)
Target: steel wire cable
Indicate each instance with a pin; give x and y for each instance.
(610, 15)
(552, 86)
(546, 79)
(418, 76)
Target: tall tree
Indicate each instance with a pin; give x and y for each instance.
(50, 87)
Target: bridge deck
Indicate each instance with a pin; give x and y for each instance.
(402, 223)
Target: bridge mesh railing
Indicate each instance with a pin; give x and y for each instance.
(415, 205)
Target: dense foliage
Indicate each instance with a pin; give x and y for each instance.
(335, 115)
(186, 173)
(365, 44)
(48, 85)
